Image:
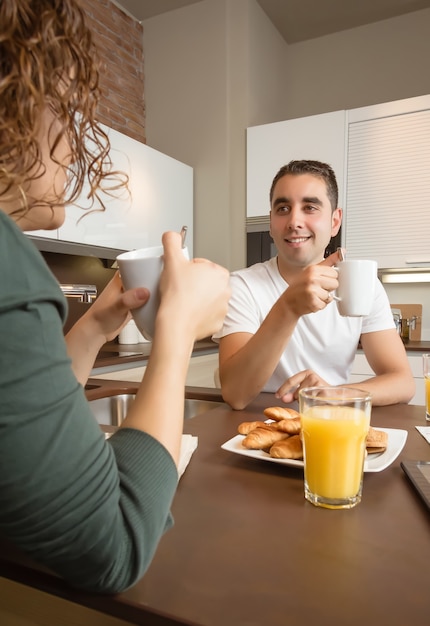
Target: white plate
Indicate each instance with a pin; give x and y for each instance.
(373, 463)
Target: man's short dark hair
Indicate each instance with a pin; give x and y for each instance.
(315, 168)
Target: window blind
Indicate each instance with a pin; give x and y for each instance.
(388, 189)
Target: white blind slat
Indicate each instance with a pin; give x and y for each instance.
(388, 187)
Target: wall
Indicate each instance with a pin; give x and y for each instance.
(120, 47)
(201, 89)
(200, 58)
(380, 62)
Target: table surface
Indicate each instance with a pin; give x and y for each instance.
(248, 550)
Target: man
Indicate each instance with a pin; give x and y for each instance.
(283, 330)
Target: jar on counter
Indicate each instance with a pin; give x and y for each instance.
(406, 325)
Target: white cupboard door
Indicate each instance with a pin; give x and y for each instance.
(160, 199)
(388, 174)
(45, 234)
(270, 146)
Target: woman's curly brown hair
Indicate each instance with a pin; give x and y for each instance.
(48, 59)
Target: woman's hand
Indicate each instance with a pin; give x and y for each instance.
(194, 294)
(102, 322)
(111, 310)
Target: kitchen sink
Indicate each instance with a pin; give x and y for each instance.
(112, 410)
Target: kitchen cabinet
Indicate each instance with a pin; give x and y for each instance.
(160, 198)
(381, 157)
(361, 370)
(46, 234)
(388, 182)
(270, 146)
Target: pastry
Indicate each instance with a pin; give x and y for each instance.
(262, 437)
(289, 448)
(245, 427)
(376, 438)
(375, 450)
(291, 426)
(280, 413)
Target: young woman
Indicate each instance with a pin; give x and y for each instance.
(92, 511)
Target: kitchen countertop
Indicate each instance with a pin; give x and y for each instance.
(413, 346)
(113, 353)
(417, 346)
(247, 548)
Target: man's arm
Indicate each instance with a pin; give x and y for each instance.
(247, 361)
(393, 381)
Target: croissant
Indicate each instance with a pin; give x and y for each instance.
(290, 448)
(278, 413)
(262, 437)
(291, 426)
(245, 427)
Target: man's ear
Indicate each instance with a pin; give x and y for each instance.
(336, 221)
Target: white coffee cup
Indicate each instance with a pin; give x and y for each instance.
(130, 334)
(356, 291)
(142, 268)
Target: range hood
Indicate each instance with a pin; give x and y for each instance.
(405, 275)
(106, 255)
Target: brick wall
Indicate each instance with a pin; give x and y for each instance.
(119, 40)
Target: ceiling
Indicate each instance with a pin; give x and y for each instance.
(299, 20)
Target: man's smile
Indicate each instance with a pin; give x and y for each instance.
(296, 240)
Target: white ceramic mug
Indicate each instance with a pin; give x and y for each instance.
(142, 268)
(130, 334)
(356, 291)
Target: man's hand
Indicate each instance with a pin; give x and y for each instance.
(289, 391)
(311, 290)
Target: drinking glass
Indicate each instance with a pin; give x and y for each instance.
(335, 422)
(426, 372)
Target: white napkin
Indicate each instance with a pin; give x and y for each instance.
(425, 431)
(188, 445)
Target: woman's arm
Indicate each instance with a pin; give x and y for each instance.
(194, 297)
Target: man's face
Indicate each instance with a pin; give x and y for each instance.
(301, 220)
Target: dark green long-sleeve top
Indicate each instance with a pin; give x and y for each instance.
(91, 510)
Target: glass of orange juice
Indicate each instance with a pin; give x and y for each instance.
(426, 372)
(335, 422)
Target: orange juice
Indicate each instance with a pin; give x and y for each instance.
(427, 381)
(334, 448)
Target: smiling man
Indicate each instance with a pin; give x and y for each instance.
(283, 330)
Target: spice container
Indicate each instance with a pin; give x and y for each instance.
(407, 325)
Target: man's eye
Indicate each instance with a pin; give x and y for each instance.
(282, 209)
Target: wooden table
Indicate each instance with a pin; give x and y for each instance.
(248, 550)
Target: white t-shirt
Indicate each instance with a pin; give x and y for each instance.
(324, 342)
